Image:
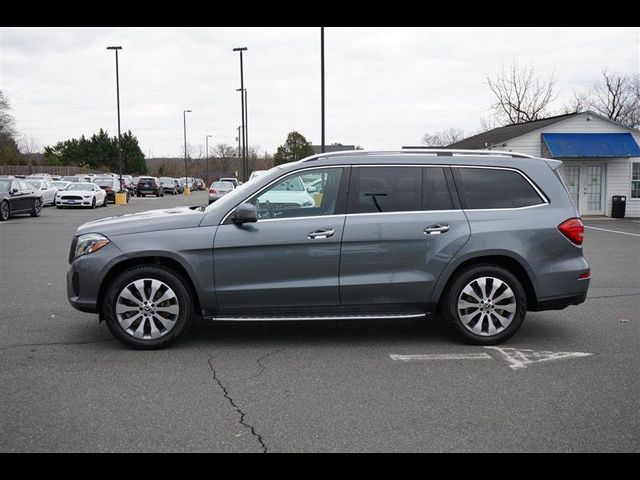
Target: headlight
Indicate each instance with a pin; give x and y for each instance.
(308, 203)
(87, 196)
(89, 243)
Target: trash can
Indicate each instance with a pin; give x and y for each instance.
(618, 206)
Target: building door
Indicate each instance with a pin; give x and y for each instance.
(571, 174)
(592, 181)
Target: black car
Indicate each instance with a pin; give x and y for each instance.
(17, 196)
(149, 185)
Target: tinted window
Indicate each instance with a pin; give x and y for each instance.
(387, 189)
(436, 190)
(489, 188)
(311, 193)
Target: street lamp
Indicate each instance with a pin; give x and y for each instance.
(244, 157)
(121, 190)
(187, 191)
(322, 86)
(206, 141)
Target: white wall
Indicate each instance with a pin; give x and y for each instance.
(618, 170)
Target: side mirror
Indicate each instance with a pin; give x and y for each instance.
(14, 191)
(245, 213)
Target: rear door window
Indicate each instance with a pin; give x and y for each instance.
(386, 189)
(436, 190)
(494, 188)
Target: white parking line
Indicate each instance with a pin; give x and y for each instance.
(613, 231)
(442, 356)
(515, 358)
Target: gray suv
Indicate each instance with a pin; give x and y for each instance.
(481, 237)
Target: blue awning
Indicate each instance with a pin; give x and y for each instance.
(591, 145)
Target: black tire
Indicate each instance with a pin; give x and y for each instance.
(449, 303)
(104, 203)
(37, 208)
(137, 194)
(59, 206)
(5, 211)
(93, 202)
(171, 279)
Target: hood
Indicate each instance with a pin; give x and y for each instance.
(149, 221)
(75, 192)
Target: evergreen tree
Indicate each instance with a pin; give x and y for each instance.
(295, 148)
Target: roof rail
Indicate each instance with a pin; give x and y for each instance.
(440, 152)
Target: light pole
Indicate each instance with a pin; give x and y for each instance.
(206, 141)
(119, 196)
(244, 157)
(245, 131)
(322, 84)
(187, 190)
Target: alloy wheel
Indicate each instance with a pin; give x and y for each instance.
(147, 309)
(486, 306)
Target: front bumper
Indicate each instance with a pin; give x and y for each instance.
(86, 275)
(85, 202)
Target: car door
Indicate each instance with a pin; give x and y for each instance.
(28, 194)
(291, 255)
(16, 197)
(403, 226)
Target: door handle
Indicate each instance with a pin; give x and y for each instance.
(436, 229)
(321, 233)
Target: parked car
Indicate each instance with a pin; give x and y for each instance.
(481, 237)
(233, 180)
(168, 185)
(149, 185)
(110, 185)
(82, 194)
(40, 176)
(218, 189)
(17, 196)
(179, 187)
(47, 189)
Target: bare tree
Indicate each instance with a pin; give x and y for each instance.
(617, 97)
(224, 159)
(579, 103)
(521, 96)
(443, 138)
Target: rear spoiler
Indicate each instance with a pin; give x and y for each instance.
(553, 164)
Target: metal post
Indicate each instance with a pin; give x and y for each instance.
(322, 84)
(187, 191)
(246, 131)
(244, 149)
(121, 189)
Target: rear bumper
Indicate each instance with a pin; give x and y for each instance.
(559, 303)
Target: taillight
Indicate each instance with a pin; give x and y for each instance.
(573, 229)
(211, 190)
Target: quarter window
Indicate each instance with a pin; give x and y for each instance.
(492, 188)
(635, 180)
(436, 190)
(311, 193)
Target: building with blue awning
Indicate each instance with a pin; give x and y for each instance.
(601, 158)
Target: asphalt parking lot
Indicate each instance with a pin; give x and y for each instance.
(568, 381)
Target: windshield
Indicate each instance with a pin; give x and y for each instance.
(104, 182)
(35, 183)
(80, 186)
(222, 185)
(166, 180)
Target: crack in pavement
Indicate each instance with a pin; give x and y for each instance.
(242, 422)
(262, 367)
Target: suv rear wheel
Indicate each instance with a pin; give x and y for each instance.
(485, 304)
(148, 307)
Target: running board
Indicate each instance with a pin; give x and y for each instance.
(373, 316)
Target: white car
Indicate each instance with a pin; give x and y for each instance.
(47, 189)
(290, 193)
(81, 194)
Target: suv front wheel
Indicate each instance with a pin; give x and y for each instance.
(148, 307)
(485, 304)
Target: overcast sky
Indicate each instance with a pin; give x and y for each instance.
(385, 87)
